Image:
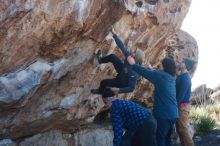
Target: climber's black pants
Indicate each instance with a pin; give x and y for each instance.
(145, 135)
(115, 82)
(117, 63)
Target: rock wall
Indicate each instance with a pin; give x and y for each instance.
(96, 136)
(48, 64)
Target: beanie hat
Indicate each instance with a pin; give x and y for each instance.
(107, 93)
(139, 56)
(189, 63)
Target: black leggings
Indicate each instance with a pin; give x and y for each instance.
(115, 82)
(117, 63)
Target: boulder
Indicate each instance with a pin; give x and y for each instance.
(48, 63)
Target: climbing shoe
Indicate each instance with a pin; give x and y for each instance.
(99, 55)
(95, 91)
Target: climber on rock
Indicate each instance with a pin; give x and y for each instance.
(126, 78)
(137, 121)
(165, 108)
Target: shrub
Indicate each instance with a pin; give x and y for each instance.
(205, 125)
(213, 109)
(194, 114)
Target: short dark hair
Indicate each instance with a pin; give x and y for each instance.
(107, 93)
(169, 66)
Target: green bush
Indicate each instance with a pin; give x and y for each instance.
(205, 125)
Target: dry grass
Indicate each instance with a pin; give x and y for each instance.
(205, 118)
(212, 111)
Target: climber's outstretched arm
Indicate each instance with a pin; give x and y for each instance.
(120, 44)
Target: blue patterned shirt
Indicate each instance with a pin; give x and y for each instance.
(127, 115)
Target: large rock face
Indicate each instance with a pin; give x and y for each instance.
(48, 64)
(96, 136)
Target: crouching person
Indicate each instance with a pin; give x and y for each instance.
(138, 123)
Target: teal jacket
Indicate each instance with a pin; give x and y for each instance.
(165, 104)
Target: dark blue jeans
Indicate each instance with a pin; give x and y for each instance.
(118, 65)
(127, 138)
(145, 135)
(164, 131)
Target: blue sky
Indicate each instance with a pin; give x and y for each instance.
(203, 23)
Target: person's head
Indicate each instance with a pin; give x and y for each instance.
(169, 66)
(108, 97)
(139, 55)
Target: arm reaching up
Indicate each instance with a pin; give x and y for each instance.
(119, 43)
